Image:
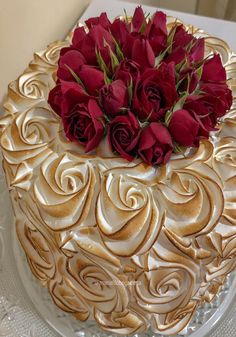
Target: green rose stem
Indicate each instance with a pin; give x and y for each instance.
(103, 67)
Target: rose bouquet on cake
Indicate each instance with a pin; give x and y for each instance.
(148, 91)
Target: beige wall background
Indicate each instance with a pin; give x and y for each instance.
(222, 9)
(29, 25)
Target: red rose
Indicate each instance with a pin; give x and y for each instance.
(92, 78)
(185, 129)
(213, 70)
(156, 32)
(55, 99)
(120, 31)
(73, 60)
(188, 79)
(128, 70)
(81, 116)
(185, 46)
(100, 20)
(218, 98)
(113, 97)
(79, 35)
(142, 53)
(69, 58)
(85, 45)
(196, 53)
(109, 70)
(138, 19)
(123, 135)
(181, 37)
(155, 93)
(155, 144)
(94, 39)
(214, 103)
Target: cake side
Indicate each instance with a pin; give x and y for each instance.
(125, 244)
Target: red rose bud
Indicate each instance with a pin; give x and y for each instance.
(88, 43)
(213, 104)
(84, 123)
(185, 46)
(156, 93)
(79, 35)
(103, 42)
(213, 70)
(69, 59)
(127, 71)
(181, 37)
(72, 93)
(138, 19)
(218, 97)
(197, 51)
(100, 20)
(55, 99)
(177, 56)
(188, 79)
(92, 78)
(185, 129)
(143, 54)
(113, 97)
(155, 144)
(120, 31)
(156, 32)
(99, 34)
(202, 107)
(123, 135)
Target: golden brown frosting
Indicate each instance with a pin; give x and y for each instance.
(122, 243)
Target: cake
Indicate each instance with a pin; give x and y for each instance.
(128, 244)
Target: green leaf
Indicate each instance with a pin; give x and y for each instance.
(198, 91)
(181, 65)
(107, 80)
(179, 83)
(168, 116)
(114, 59)
(179, 149)
(76, 77)
(188, 83)
(103, 67)
(119, 52)
(130, 91)
(161, 56)
(179, 105)
(199, 72)
(171, 36)
(126, 16)
(144, 23)
(144, 124)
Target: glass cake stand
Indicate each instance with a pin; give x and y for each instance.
(26, 309)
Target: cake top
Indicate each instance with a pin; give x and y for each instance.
(147, 91)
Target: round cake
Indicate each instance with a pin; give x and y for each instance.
(131, 245)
